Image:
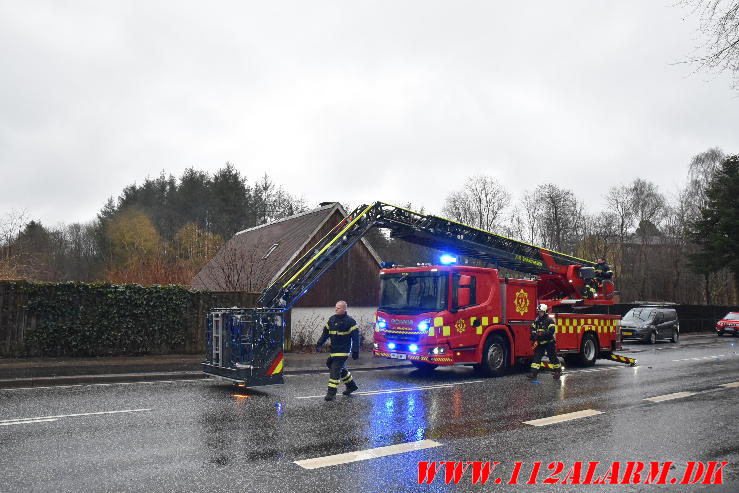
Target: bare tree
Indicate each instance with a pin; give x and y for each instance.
(480, 204)
(719, 23)
(647, 203)
(620, 203)
(238, 267)
(561, 218)
(11, 224)
(272, 202)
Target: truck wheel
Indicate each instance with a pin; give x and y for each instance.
(588, 351)
(424, 367)
(494, 357)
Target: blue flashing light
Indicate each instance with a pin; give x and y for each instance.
(423, 326)
(382, 324)
(391, 345)
(448, 259)
(413, 348)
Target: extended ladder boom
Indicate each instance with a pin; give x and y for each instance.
(421, 229)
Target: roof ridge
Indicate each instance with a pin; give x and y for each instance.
(295, 216)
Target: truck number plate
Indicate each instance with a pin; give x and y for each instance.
(397, 356)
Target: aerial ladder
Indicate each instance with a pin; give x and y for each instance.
(245, 345)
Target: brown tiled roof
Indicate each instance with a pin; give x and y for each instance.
(253, 258)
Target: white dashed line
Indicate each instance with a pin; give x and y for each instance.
(332, 460)
(563, 417)
(43, 419)
(669, 397)
(701, 358)
(25, 422)
(730, 385)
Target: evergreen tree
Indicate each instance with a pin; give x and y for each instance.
(717, 229)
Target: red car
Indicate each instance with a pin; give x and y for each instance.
(728, 325)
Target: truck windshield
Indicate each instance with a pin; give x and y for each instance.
(639, 314)
(413, 292)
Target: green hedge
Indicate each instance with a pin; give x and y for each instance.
(102, 319)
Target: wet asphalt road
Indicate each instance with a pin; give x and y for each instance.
(203, 436)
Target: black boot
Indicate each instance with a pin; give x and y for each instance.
(330, 394)
(557, 374)
(350, 387)
(532, 374)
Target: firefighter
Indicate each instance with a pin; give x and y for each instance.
(603, 271)
(590, 290)
(344, 334)
(542, 335)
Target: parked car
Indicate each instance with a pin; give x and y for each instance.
(649, 323)
(728, 325)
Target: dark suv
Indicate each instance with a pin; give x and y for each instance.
(649, 323)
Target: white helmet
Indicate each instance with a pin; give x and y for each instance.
(542, 308)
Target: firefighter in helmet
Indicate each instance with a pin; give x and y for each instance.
(542, 335)
(603, 271)
(344, 334)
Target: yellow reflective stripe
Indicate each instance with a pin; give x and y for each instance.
(535, 366)
(438, 321)
(347, 378)
(346, 332)
(333, 385)
(348, 226)
(431, 331)
(446, 330)
(339, 354)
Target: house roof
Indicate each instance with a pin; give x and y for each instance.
(255, 257)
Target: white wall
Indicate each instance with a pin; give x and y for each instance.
(307, 323)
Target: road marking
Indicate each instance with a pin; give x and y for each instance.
(54, 418)
(702, 358)
(563, 417)
(373, 453)
(25, 422)
(730, 385)
(393, 391)
(669, 397)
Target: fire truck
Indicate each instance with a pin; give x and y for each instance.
(431, 315)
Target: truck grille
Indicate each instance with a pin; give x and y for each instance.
(402, 337)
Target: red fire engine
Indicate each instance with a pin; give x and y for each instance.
(430, 315)
(446, 315)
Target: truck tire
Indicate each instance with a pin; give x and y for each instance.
(588, 351)
(424, 367)
(494, 357)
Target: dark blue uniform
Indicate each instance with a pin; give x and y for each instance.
(344, 334)
(542, 333)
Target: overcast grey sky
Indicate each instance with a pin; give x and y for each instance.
(351, 101)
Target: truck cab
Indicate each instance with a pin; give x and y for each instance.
(438, 315)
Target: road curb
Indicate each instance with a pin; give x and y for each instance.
(146, 376)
